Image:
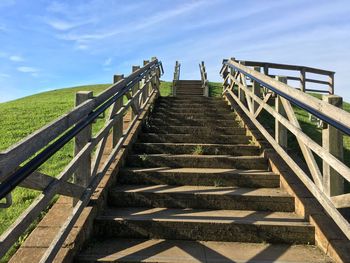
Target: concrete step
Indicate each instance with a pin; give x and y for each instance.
(199, 176)
(192, 100)
(197, 149)
(200, 130)
(180, 251)
(192, 122)
(189, 88)
(197, 161)
(201, 197)
(195, 94)
(191, 110)
(193, 138)
(194, 116)
(188, 81)
(208, 225)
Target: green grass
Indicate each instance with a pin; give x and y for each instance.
(21, 117)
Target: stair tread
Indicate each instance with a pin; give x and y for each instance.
(176, 251)
(211, 156)
(201, 144)
(202, 190)
(201, 170)
(203, 216)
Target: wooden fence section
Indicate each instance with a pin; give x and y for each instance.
(176, 77)
(327, 185)
(204, 79)
(302, 71)
(85, 168)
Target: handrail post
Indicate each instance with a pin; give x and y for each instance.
(146, 89)
(83, 171)
(225, 83)
(302, 80)
(331, 84)
(281, 132)
(204, 80)
(256, 91)
(241, 93)
(118, 126)
(156, 79)
(176, 78)
(134, 90)
(332, 141)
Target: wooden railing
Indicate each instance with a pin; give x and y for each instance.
(204, 79)
(302, 71)
(327, 185)
(176, 77)
(19, 164)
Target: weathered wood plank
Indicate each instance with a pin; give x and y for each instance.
(342, 223)
(288, 67)
(328, 110)
(315, 147)
(341, 201)
(308, 155)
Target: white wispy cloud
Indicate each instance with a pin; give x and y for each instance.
(144, 23)
(16, 58)
(26, 69)
(64, 25)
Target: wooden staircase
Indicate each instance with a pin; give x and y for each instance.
(195, 189)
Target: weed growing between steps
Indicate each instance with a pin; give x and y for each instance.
(198, 150)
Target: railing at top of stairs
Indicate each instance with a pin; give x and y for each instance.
(176, 77)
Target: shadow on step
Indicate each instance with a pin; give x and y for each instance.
(141, 250)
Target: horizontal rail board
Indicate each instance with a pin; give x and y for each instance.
(332, 115)
(287, 67)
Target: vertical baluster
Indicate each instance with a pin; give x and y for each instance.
(83, 171)
(332, 140)
(281, 133)
(118, 126)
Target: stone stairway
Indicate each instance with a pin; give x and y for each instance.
(195, 189)
(189, 88)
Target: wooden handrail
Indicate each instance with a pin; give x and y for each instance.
(176, 77)
(326, 186)
(146, 79)
(302, 70)
(204, 79)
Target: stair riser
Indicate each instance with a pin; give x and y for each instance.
(202, 201)
(200, 111)
(257, 163)
(192, 138)
(186, 103)
(188, 122)
(189, 89)
(193, 116)
(191, 149)
(200, 179)
(206, 131)
(205, 231)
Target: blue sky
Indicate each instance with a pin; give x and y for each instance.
(52, 44)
